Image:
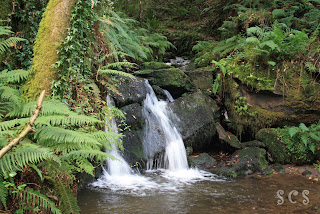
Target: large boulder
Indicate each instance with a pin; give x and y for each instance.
(202, 161)
(243, 162)
(276, 149)
(130, 91)
(172, 79)
(195, 117)
(133, 148)
(202, 78)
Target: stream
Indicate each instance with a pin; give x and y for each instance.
(252, 194)
(170, 186)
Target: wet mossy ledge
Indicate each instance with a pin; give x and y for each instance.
(52, 29)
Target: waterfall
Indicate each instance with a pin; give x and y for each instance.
(160, 131)
(118, 166)
(119, 176)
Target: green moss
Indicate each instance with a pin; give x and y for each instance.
(276, 149)
(155, 65)
(171, 77)
(52, 29)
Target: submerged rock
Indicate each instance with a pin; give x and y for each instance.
(202, 161)
(195, 117)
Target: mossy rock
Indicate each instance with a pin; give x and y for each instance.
(254, 143)
(227, 137)
(243, 162)
(172, 79)
(133, 114)
(195, 117)
(202, 79)
(155, 65)
(130, 91)
(276, 149)
(133, 148)
(202, 161)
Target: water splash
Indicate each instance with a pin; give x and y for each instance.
(119, 175)
(175, 157)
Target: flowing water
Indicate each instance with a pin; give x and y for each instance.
(170, 186)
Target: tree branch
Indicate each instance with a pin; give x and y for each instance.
(14, 142)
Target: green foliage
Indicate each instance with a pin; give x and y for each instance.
(9, 42)
(302, 140)
(29, 197)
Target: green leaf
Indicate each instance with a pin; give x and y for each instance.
(303, 127)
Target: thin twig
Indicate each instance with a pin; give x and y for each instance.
(14, 142)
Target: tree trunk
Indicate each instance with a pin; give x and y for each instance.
(52, 29)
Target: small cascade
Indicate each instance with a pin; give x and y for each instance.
(161, 130)
(118, 166)
(119, 176)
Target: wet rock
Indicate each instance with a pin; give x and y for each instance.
(276, 149)
(202, 161)
(189, 150)
(195, 117)
(243, 162)
(133, 114)
(202, 79)
(133, 148)
(172, 79)
(131, 91)
(227, 137)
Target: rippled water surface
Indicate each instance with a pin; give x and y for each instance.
(161, 192)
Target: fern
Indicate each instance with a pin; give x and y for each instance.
(70, 119)
(7, 43)
(61, 135)
(24, 156)
(3, 192)
(115, 72)
(6, 125)
(49, 107)
(9, 94)
(89, 154)
(67, 201)
(14, 76)
(36, 199)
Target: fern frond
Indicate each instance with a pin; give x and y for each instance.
(3, 192)
(67, 201)
(49, 107)
(70, 119)
(115, 72)
(89, 154)
(4, 45)
(120, 65)
(14, 76)
(36, 199)
(6, 125)
(24, 156)
(10, 94)
(61, 135)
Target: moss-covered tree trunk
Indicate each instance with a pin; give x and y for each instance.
(52, 29)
